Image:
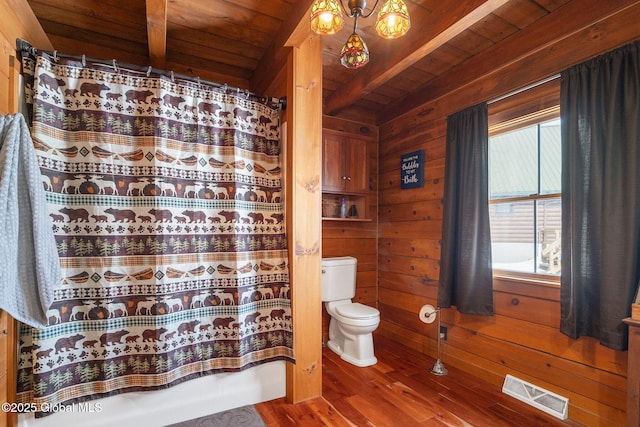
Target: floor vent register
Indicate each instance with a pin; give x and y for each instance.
(540, 398)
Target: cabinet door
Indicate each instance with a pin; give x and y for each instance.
(357, 166)
(333, 162)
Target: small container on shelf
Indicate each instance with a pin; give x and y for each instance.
(330, 208)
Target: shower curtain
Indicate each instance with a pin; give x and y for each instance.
(165, 201)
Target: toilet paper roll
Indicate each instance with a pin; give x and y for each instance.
(427, 314)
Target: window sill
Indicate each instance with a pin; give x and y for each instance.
(533, 285)
(537, 279)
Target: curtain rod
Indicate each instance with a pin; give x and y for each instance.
(522, 89)
(25, 46)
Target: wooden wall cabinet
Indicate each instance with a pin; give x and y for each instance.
(345, 175)
(345, 163)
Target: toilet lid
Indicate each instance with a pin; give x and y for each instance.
(357, 311)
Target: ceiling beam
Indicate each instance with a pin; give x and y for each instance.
(291, 33)
(428, 32)
(157, 32)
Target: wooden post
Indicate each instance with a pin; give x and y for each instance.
(304, 223)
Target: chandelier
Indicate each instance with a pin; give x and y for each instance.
(327, 18)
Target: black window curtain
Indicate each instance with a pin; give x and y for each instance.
(466, 278)
(600, 104)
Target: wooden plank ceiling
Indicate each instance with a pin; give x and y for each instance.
(228, 40)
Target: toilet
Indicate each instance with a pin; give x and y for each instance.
(352, 324)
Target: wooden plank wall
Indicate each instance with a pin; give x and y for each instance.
(357, 239)
(523, 337)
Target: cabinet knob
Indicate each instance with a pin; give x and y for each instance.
(348, 178)
(4, 332)
(344, 178)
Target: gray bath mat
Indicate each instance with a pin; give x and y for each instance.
(245, 416)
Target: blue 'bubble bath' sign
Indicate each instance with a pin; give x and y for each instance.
(412, 170)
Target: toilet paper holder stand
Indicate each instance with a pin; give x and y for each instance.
(430, 314)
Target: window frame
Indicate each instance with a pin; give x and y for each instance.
(524, 109)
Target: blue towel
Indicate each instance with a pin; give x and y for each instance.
(29, 263)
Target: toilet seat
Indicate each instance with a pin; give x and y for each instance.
(357, 311)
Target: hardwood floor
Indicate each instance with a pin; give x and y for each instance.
(400, 391)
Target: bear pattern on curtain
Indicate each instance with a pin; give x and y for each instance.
(165, 200)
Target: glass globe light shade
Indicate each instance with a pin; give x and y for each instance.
(355, 53)
(326, 17)
(393, 19)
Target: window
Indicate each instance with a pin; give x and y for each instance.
(524, 194)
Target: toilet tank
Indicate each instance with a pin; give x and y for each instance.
(338, 278)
